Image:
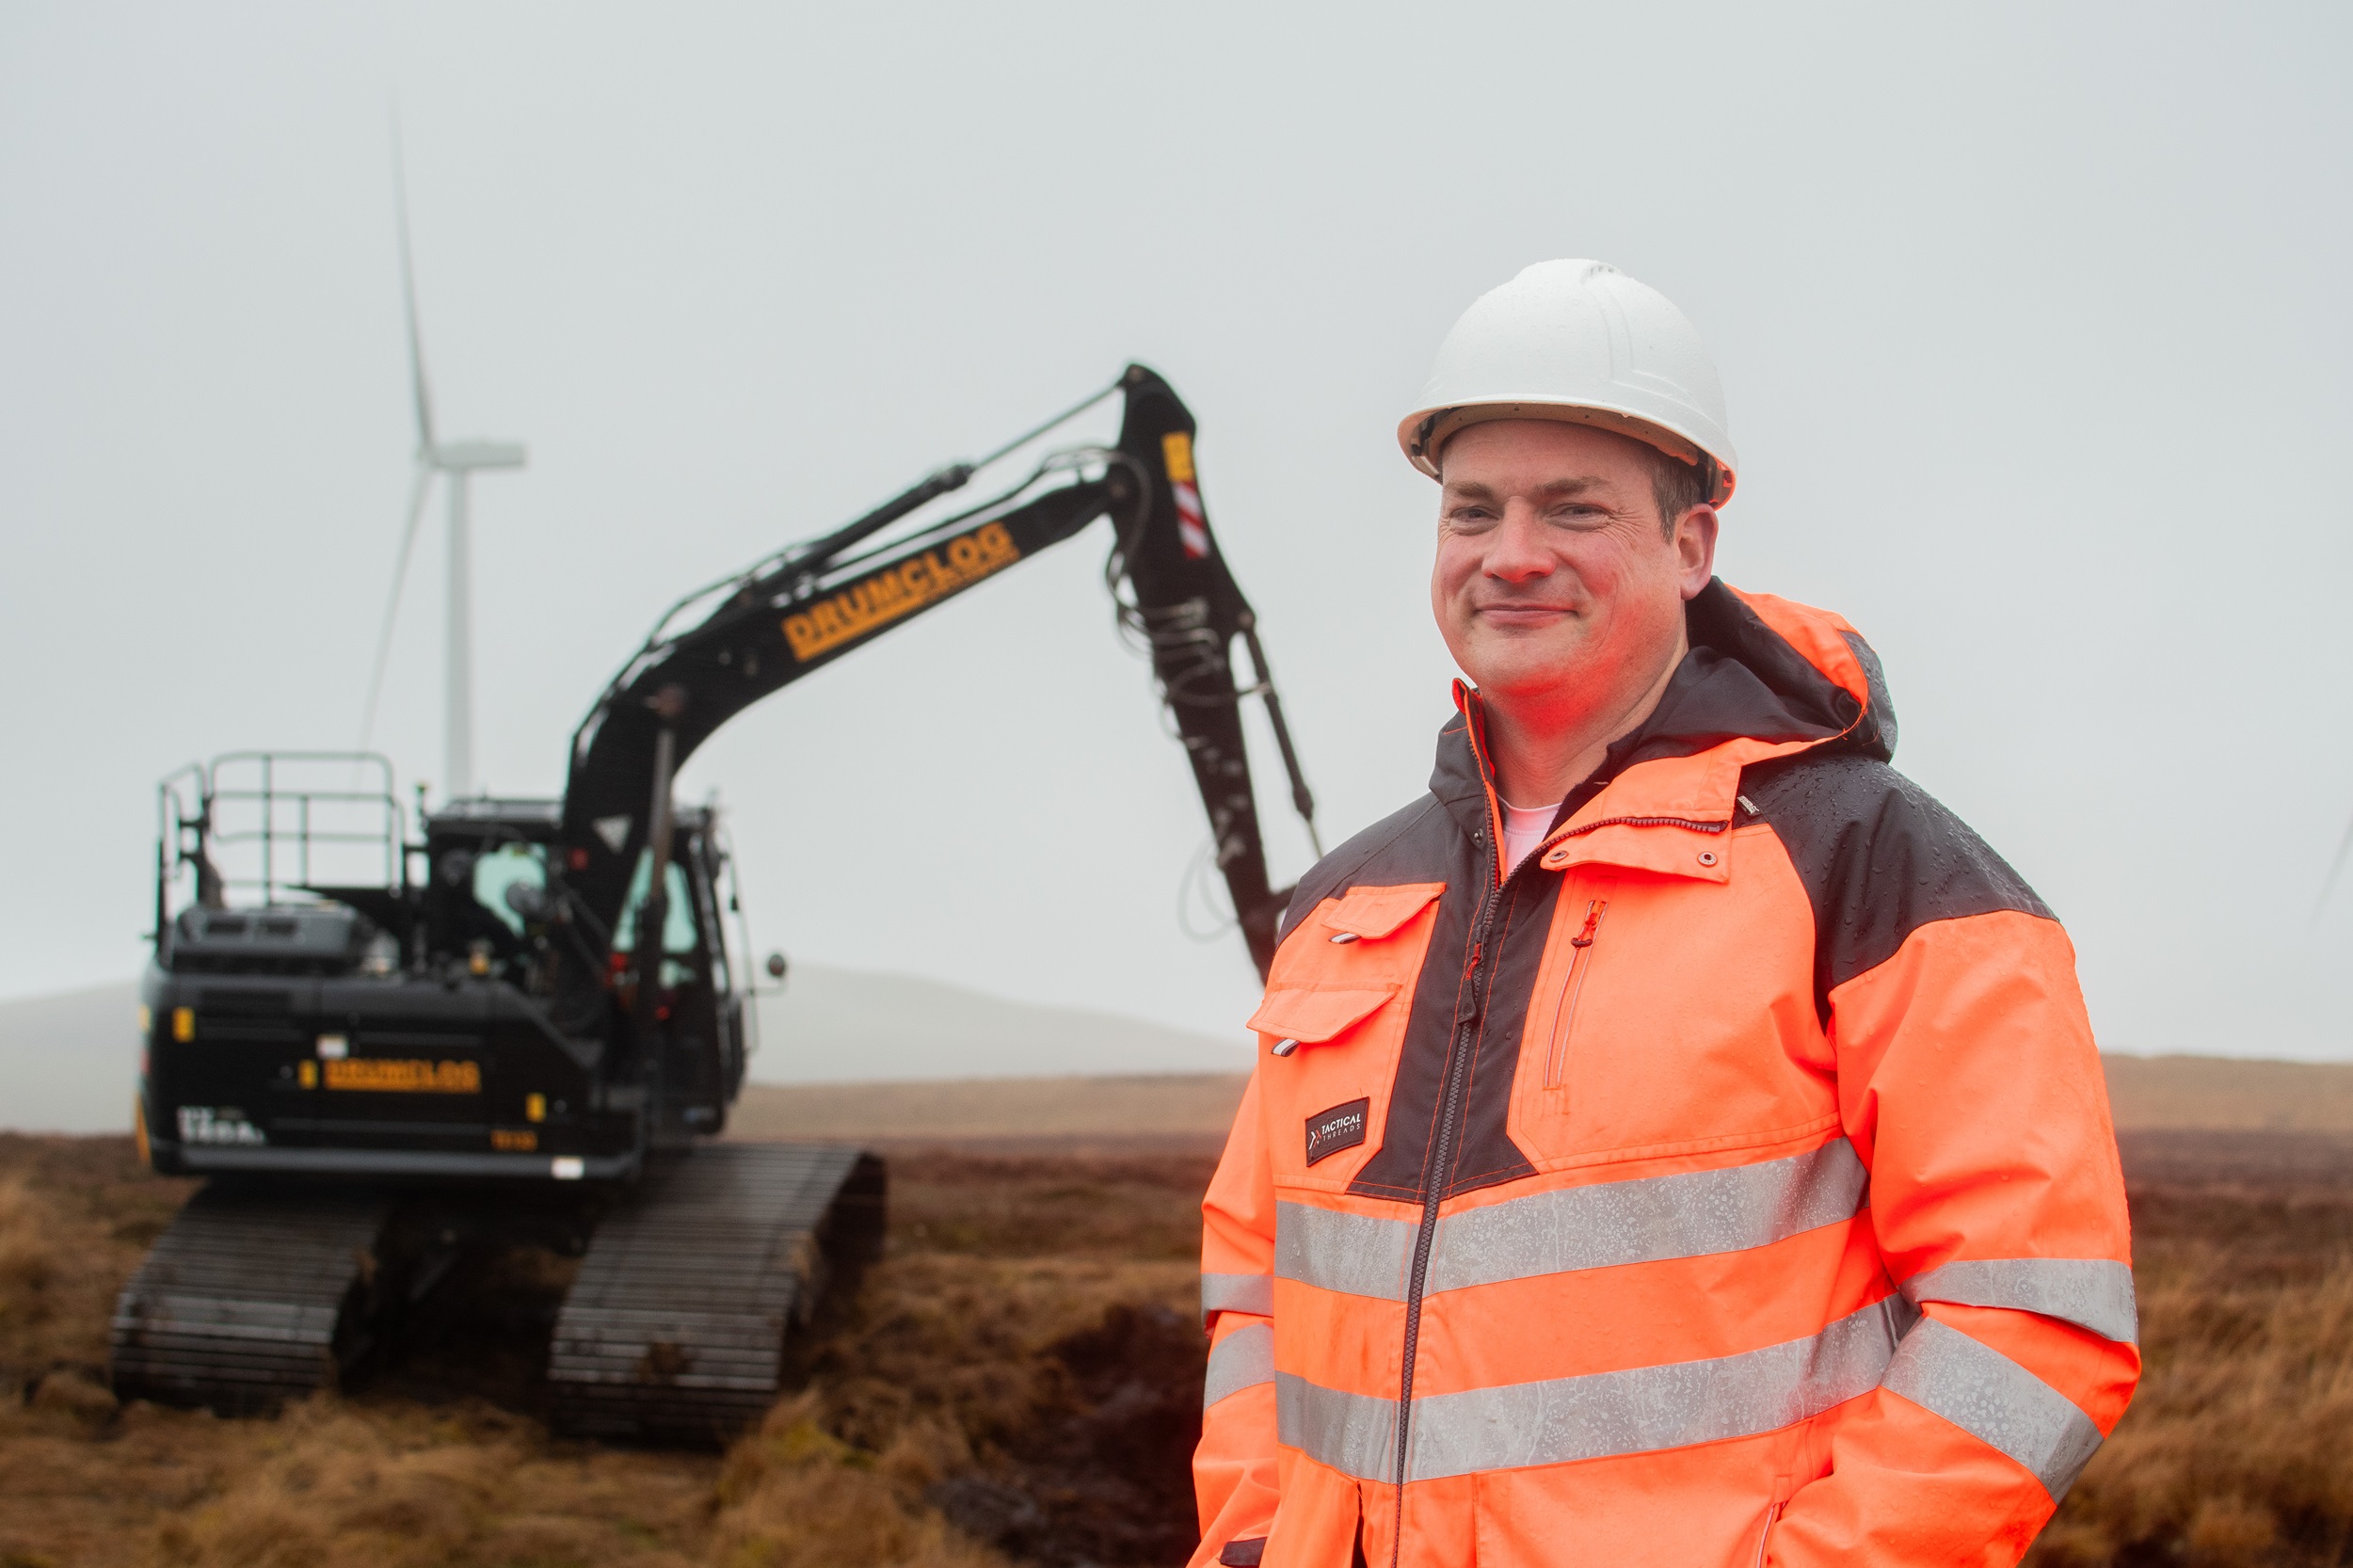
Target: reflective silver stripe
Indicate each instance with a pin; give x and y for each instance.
(1561, 1419)
(1353, 1433)
(1236, 1293)
(2091, 1292)
(1359, 1254)
(1996, 1401)
(1243, 1359)
(1695, 1214)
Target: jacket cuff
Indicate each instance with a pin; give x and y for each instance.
(1243, 1554)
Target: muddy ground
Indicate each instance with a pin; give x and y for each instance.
(1018, 1383)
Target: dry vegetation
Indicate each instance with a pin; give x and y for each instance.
(2238, 1448)
(1162, 1113)
(1017, 1383)
(1018, 1380)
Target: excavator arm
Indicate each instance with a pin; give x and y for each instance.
(800, 610)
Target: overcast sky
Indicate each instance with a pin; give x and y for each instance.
(2033, 323)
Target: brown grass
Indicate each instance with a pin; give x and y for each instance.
(1160, 1112)
(2238, 1448)
(1154, 1112)
(1016, 1382)
(935, 1416)
(75, 1215)
(2209, 1093)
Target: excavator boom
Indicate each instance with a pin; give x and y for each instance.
(810, 605)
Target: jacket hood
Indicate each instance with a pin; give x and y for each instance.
(1766, 677)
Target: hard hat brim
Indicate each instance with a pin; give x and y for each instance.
(1422, 435)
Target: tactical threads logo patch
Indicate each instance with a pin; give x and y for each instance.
(1340, 1128)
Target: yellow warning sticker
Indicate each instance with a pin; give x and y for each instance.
(1177, 451)
(395, 1075)
(899, 590)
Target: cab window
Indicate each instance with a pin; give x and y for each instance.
(679, 932)
(497, 869)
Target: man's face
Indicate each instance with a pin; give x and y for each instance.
(1555, 584)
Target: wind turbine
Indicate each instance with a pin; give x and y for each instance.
(456, 462)
(2336, 868)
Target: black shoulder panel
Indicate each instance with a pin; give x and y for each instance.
(1880, 859)
(1407, 845)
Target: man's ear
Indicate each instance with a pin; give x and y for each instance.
(1695, 548)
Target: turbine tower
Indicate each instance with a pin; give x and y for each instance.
(457, 461)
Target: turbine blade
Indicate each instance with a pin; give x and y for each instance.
(417, 491)
(2336, 868)
(409, 297)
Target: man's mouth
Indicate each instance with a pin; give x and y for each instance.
(1521, 615)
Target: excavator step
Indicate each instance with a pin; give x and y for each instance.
(250, 1299)
(674, 1331)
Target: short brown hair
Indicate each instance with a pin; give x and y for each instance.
(1677, 487)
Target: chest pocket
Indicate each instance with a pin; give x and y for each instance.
(1333, 1023)
(1296, 1015)
(1374, 913)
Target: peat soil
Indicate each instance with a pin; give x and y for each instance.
(1103, 1474)
(1086, 1457)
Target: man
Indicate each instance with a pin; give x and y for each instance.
(1675, 1139)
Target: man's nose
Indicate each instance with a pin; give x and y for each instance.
(1518, 550)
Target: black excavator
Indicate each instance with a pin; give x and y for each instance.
(527, 1025)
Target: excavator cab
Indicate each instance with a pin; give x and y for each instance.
(411, 1027)
(696, 1052)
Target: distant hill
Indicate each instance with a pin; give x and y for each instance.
(68, 1060)
(854, 1026)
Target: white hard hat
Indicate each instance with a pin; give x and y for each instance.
(1578, 341)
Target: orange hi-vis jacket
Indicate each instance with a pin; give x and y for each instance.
(1729, 1183)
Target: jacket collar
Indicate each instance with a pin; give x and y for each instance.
(1764, 677)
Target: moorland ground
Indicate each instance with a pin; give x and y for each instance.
(1017, 1381)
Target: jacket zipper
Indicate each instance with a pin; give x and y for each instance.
(1772, 1517)
(1571, 988)
(1643, 821)
(1459, 1052)
(1462, 1047)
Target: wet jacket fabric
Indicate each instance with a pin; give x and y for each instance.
(1731, 1183)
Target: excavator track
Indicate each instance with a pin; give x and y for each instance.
(250, 1299)
(674, 1331)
